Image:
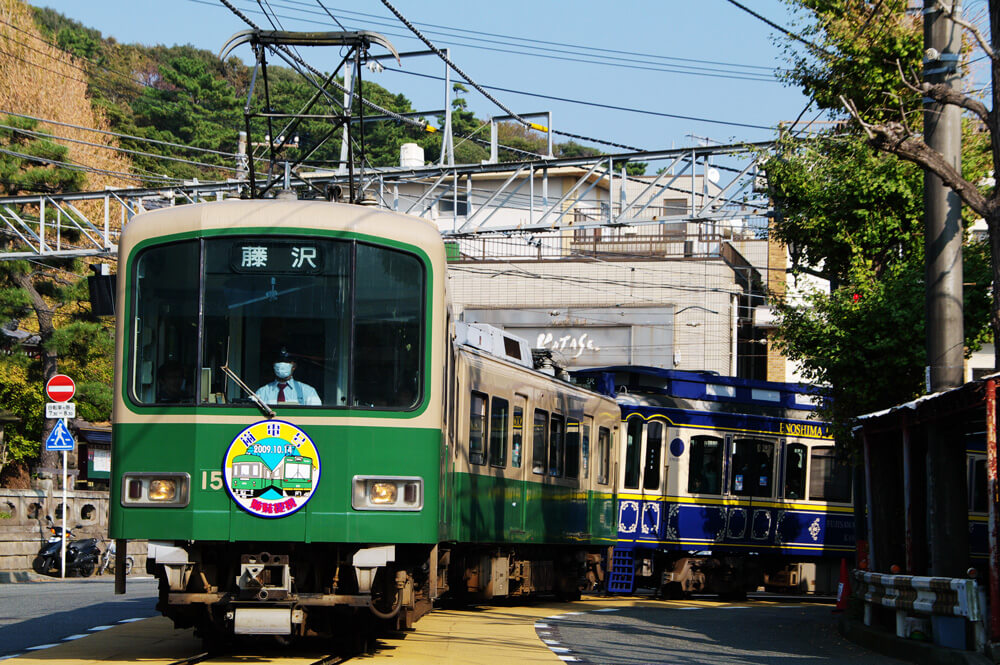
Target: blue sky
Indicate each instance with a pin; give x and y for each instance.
(706, 60)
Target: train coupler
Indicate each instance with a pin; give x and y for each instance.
(264, 576)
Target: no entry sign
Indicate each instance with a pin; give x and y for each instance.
(60, 388)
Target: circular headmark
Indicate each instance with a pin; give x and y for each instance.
(271, 468)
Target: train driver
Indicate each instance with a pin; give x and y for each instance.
(284, 389)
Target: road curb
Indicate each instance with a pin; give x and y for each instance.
(22, 576)
(28, 577)
(887, 644)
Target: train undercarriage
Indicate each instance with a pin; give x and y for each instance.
(326, 590)
(731, 577)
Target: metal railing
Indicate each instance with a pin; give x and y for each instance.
(930, 596)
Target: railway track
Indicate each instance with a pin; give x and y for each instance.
(207, 657)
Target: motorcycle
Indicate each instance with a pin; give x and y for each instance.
(81, 555)
(107, 564)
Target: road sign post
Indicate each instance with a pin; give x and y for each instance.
(61, 439)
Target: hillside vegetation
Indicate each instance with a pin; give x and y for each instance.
(187, 96)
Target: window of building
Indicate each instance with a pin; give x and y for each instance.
(447, 205)
(705, 465)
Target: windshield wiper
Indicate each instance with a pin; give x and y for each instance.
(268, 411)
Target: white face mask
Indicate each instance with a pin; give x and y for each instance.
(283, 370)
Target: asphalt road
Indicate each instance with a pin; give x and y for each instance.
(41, 613)
(706, 635)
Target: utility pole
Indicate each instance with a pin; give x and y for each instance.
(947, 509)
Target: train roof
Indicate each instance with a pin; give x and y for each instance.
(671, 387)
(275, 215)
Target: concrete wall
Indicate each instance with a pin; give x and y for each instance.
(23, 526)
(698, 294)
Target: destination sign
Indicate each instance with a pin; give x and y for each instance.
(274, 256)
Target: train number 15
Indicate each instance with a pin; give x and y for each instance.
(213, 481)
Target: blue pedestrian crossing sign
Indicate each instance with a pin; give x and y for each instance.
(60, 438)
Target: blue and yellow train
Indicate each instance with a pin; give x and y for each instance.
(724, 485)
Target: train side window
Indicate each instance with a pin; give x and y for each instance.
(603, 455)
(539, 441)
(705, 465)
(753, 468)
(633, 445)
(829, 478)
(557, 432)
(977, 485)
(795, 471)
(585, 445)
(517, 438)
(477, 429)
(654, 444)
(166, 319)
(573, 449)
(499, 411)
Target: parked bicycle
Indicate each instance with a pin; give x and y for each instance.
(107, 563)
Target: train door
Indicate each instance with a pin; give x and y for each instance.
(751, 480)
(640, 507)
(516, 502)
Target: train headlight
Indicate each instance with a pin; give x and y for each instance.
(382, 493)
(162, 490)
(388, 493)
(170, 490)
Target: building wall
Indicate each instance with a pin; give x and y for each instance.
(689, 303)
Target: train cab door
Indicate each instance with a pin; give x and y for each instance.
(752, 481)
(517, 500)
(641, 506)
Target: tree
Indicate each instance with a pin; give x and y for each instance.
(864, 68)
(852, 217)
(50, 291)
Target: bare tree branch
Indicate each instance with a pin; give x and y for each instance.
(944, 94)
(895, 138)
(949, 10)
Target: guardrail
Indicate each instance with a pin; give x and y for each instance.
(933, 596)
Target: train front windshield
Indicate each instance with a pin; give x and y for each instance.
(346, 318)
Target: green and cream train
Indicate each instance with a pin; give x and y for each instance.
(400, 456)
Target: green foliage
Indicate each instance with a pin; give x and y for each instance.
(866, 46)
(841, 203)
(21, 394)
(30, 168)
(854, 217)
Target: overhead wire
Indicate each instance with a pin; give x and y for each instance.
(614, 107)
(115, 148)
(585, 56)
